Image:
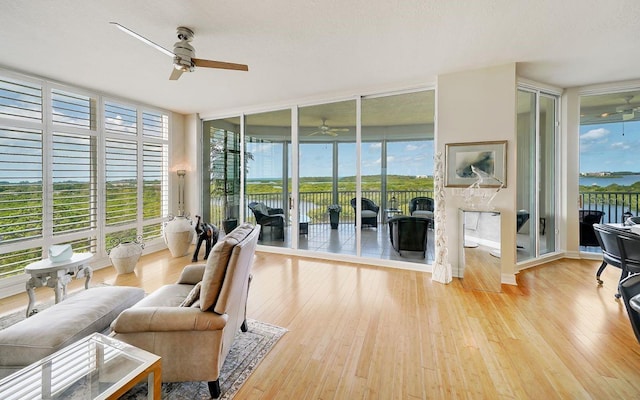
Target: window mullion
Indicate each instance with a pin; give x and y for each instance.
(47, 166)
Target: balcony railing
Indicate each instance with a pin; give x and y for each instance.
(313, 205)
(615, 205)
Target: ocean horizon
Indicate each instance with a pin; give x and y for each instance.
(604, 181)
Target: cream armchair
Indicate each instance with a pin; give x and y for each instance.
(192, 323)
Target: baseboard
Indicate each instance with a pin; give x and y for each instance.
(508, 279)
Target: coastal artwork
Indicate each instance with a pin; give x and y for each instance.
(467, 162)
(482, 160)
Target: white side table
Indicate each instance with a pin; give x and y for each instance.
(57, 275)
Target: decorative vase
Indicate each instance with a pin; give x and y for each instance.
(125, 255)
(178, 234)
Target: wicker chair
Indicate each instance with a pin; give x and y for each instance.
(273, 218)
(369, 212)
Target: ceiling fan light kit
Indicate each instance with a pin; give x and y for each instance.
(183, 53)
(325, 129)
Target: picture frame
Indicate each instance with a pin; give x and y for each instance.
(489, 160)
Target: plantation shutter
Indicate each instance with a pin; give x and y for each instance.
(73, 163)
(155, 132)
(120, 119)
(21, 171)
(121, 182)
(74, 183)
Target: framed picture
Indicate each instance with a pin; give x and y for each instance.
(482, 162)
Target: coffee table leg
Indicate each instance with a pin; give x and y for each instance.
(154, 382)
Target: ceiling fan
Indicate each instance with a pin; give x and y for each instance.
(183, 53)
(325, 129)
(628, 111)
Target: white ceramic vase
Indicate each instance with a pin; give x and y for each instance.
(125, 255)
(178, 234)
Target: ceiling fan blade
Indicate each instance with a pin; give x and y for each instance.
(143, 39)
(219, 64)
(340, 129)
(313, 133)
(175, 74)
(332, 133)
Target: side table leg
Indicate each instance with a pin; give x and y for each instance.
(58, 285)
(89, 273)
(32, 296)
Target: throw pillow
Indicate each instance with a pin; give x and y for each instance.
(192, 297)
(216, 267)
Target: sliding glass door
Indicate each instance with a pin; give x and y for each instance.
(397, 176)
(327, 213)
(326, 149)
(221, 180)
(536, 160)
(267, 175)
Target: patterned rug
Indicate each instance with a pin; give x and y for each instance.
(249, 348)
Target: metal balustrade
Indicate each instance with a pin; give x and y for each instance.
(313, 205)
(613, 204)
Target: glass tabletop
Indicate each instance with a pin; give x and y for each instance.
(95, 367)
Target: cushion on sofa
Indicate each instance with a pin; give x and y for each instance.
(217, 265)
(193, 296)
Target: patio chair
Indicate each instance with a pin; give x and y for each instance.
(587, 219)
(369, 212)
(273, 218)
(421, 207)
(620, 248)
(629, 288)
(521, 218)
(607, 238)
(409, 233)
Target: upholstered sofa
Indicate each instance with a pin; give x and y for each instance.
(192, 324)
(62, 324)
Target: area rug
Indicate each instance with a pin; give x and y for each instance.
(249, 348)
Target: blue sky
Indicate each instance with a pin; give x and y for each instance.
(610, 147)
(403, 158)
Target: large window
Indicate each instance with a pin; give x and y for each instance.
(609, 173)
(57, 186)
(308, 177)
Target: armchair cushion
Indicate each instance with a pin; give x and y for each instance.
(192, 297)
(191, 274)
(214, 272)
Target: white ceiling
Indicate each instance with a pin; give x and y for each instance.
(300, 50)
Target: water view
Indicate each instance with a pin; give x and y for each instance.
(604, 181)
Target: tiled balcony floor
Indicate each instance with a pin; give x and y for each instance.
(375, 242)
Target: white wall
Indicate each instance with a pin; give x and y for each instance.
(477, 106)
(569, 238)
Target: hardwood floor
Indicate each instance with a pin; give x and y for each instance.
(366, 332)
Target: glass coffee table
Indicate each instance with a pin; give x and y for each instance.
(96, 367)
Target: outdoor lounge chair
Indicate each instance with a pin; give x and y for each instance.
(267, 217)
(369, 212)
